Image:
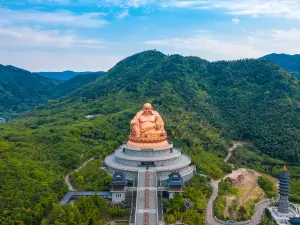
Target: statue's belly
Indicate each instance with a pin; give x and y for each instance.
(148, 125)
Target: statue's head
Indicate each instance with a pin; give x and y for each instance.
(147, 109)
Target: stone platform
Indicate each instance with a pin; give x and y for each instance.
(163, 161)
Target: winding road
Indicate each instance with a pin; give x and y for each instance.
(67, 177)
(210, 219)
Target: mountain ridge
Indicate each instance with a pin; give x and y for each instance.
(290, 63)
(204, 106)
(65, 75)
(187, 80)
(21, 90)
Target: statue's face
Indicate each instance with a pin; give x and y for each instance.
(147, 109)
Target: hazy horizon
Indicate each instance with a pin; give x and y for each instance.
(58, 35)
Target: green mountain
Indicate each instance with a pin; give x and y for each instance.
(290, 63)
(65, 75)
(204, 105)
(77, 82)
(245, 99)
(21, 90)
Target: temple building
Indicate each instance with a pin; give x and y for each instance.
(284, 213)
(284, 190)
(175, 184)
(118, 184)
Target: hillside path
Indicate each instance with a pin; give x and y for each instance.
(230, 150)
(67, 177)
(210, 219)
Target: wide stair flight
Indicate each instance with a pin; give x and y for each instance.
(146, 202)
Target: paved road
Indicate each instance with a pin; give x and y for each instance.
(258, 213)
(210, 216)
(209, 211)
(67, 177)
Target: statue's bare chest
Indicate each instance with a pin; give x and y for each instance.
(147, 118)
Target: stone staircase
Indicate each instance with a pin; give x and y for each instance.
(146, 203)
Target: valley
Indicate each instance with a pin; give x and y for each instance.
(21, 90)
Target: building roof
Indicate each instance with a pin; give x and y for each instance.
(295, 220)
(175, 179)
(118, 180)
(284, 175)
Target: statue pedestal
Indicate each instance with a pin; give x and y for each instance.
(159, 144)
(164, 160)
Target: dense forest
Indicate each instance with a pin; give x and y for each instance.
(204, 105)
(21, 90)
(290, 63)
(86, 211)
(189, 207)
(245, 99)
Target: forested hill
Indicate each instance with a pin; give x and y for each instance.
(290, 63)
(204, 105)
(77, 82)
(20, 90)
(244, 99)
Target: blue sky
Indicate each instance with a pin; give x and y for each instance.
(91, 35)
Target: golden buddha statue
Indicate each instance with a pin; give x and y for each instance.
(147, 129)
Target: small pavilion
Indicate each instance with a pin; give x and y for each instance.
(118, 184)
(175, 184)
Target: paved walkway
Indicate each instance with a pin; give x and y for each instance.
(146, 203)
(72, 194)
(210, 220)
(230, 150)
(67, 177)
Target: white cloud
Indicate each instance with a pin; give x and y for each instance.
(282, 8)
(215, 47)
(27, 37)
(235, 20)
(123, 14)
(208, 48)
(51, 61)
(65, 18)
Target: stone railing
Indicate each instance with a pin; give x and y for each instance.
(296, 207)
(247, 221)
(132, 210)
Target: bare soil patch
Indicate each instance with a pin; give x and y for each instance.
(249, 192)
